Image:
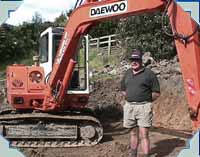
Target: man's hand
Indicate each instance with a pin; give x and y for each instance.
(155, 95)
(121, 97)
(123, 93)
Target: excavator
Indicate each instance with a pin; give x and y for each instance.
(47, 108)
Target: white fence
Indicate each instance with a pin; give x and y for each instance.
(105, 44)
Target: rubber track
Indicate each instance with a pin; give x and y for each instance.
(49, 144)
(44, 116)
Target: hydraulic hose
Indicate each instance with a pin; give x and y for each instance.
(176, 34)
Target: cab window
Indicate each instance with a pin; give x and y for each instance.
(43, 49)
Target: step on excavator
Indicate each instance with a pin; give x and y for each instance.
(47, 106)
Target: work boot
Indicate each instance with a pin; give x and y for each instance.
(133, 153)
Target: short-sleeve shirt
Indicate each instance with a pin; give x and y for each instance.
(139, 87)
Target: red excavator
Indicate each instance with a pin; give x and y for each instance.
(49, 111)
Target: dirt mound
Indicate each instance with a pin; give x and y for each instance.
(105, 99)
(171, 110)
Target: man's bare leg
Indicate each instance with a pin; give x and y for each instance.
(134, 142)
(145, 142)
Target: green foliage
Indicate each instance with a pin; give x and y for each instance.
(95, 60)
(20, 42)
(68, 13)
(37, 18)
(145, 33)
(104, 28)
(61, 20)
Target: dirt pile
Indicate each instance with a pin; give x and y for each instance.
(171, 110)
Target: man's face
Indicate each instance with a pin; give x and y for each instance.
(136, 64)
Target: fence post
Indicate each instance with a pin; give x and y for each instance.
(109, 46)
(98, 45)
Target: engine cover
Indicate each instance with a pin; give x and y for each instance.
(25, 84)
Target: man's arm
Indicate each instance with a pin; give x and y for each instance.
(155, 87)
(123, 87)
(155, 95)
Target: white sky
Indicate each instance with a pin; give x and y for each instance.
(49, 9)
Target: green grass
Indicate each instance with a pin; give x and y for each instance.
(102, 77)
(27, 61)
(97, 62)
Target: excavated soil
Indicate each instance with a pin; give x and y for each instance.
(171, 129)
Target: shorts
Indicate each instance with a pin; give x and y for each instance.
(137, 114)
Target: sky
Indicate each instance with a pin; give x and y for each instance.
(49, 9)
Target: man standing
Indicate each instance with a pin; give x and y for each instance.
(140, 87)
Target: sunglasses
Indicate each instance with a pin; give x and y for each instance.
(135, 60)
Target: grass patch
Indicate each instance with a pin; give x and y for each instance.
(27, 61)
(102, 77)
(97, 61)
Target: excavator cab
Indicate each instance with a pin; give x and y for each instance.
(49, 44)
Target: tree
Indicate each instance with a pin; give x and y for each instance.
(69, 12)
(61, 20)
(144, 32)
(37, 18)
(104, 28)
